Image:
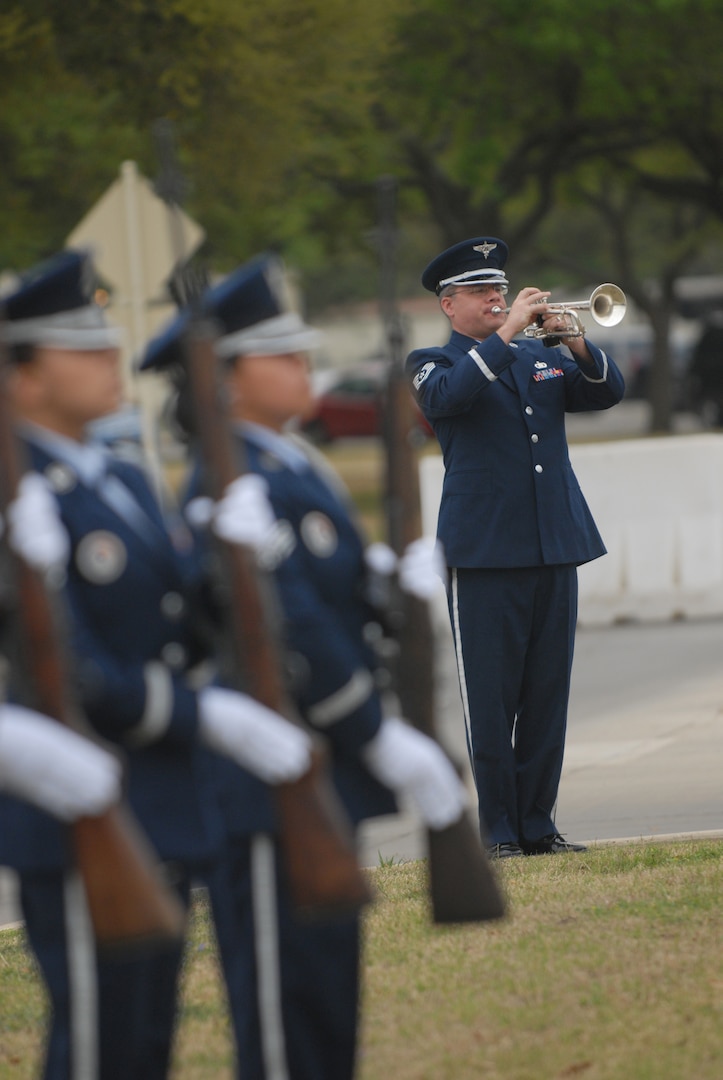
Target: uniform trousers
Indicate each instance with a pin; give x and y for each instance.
(112, 1016)
(292, 983)
(514, 633)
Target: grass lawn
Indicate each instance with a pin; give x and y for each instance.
(608, 966)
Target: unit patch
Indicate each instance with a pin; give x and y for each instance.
(319, 534)
(101, 557)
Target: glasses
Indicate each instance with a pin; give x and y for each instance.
(480, 290)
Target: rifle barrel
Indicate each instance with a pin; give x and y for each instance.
(462, 884)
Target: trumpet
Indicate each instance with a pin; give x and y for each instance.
(607, 305)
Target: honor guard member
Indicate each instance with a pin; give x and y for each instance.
(129, 585)
(514, 526)
(294, 985)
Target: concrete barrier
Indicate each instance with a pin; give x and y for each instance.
(659, 506)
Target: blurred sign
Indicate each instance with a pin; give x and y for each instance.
(130, 225)
(136, 241)
(131, 234)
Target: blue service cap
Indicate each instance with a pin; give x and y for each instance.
(53, 304)
(253, 312)
(479, 261)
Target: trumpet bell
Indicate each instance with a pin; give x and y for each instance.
(607, 304)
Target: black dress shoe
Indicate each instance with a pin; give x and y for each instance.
(554, 844)
(504, 851)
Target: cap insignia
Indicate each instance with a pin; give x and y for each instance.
(484, 249)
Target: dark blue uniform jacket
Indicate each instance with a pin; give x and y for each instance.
(510, 497)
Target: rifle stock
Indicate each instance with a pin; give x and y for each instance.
(462, 883)
(128, 902)
(317, 842)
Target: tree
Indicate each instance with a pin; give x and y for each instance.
(55, 142)
(493, 118)
(525, 124)
(641, 243)
(249, 86)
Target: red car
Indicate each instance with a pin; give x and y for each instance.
(349, 404)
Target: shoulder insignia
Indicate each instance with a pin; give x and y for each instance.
(423, 374)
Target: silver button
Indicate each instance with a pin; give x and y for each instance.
(538, 468)
(172, 605)
(529, 410)
(535, 438)
(174, 654)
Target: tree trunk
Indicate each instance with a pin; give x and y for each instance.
(660, 391)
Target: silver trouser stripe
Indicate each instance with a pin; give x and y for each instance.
(344, 701)
(486, 371)
(266, 941)
(159, 706)
(605, 370)
(83, 985)
(460, 660)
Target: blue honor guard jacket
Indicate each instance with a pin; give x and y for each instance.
(510, 497)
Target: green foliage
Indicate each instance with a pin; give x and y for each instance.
(497, 107)
(494, 118)
(269, 100)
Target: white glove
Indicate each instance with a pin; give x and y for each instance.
(407, 761)
(49, 765)
(242, 516)
(35, 530)
(422, 567)
(263, 742)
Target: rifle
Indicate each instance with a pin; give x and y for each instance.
(462, 883)
(128, 902)
(316, 839)
(324, 875)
